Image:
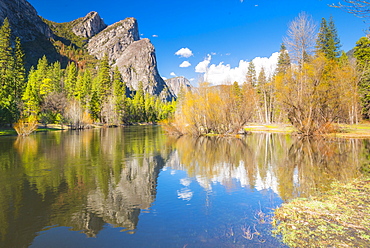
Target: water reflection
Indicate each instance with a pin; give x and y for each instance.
(79, 179)
(84, 180)
(290, 166)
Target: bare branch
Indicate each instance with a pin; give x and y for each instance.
(359, 8)
(301, 37)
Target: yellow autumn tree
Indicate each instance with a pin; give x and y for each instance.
(209, 109)
(315, 95)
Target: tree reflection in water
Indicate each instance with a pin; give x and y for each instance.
(291, 166)
(86, 179)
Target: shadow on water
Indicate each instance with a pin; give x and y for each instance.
(87, 179)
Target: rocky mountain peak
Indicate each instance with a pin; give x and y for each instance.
(135, 58)
(23, 18)
(114, 39)
(178, 84)
(89, 25)
(138, 64)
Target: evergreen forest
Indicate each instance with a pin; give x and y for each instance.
(315, 86)
(79, 95)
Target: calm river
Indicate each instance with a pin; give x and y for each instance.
(136, 187)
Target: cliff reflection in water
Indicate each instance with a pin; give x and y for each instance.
(288, 165)
(81, 180)
(86, 179)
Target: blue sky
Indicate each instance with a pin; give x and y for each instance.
(222, 33)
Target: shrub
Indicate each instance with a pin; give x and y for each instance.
(26, 126)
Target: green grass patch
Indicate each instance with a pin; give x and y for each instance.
(12, 132)
(337, 218)
(6, 132)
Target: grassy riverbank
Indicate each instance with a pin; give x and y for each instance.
(360, 131)
(8, 131)
(337, 218)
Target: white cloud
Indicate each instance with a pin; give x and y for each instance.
(221, 73)
(184, 52)
(191, 79)
(185, 64)
(185, 181)
(185, 194)
(202, 66)
(173, 74)
(154, 35)
(269, 64)
(164, 78)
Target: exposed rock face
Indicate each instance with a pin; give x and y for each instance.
(138, 64)
(136, 190)
(23, 18)
(120, 41)
(135, 58)
(89, 25)
(114, 39)
(177, 84)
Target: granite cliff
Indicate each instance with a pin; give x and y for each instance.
(89, 25)
(138, 64)
(114, 39)
(178, 84)
(26, 24)
(135, 58)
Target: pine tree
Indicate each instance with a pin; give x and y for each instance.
(71, 80)
(86, 88)
(79, 86)
(149, 108)
(19, 70)
(103, 83)
(362, 55)
(44, 82)
(251, 74)
(6, 74)
(5, 49)
(31, 97)
(335, 38)
(283, 60)
(262, 79)
(343, 59)
(56, 75)
(39, 86)
(119, 93)
(362, 52)
(328, 41)
(42, 68)
(138, 103)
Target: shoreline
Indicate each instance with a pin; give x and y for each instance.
(347, 131)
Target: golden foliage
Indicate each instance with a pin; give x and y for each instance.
(220, 110)
(26, 126)
(86, 118)
(318, 94)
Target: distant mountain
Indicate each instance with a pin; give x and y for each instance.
(135, 58)
(177, 84)
(89, 25)
(350, 54)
